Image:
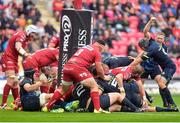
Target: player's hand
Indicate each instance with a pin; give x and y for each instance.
(153, 19)
(107, 78)
(131, 58)
(145, 104)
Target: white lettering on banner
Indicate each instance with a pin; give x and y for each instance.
(67, 29)
(82, 37)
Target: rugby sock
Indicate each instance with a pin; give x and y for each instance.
(53, 86)
(126, 102)
(149, 98)
(44, 89)
(165, 103)
(57, 95)
(68, 93)
(126, 109)
(95, 99)
(168, 96)
(6, 90)
(15, 92)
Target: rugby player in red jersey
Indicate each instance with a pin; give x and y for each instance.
(54, 41)
(76, 70)
(16, 45)
(40, 59)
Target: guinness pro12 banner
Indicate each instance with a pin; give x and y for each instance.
(75, 32)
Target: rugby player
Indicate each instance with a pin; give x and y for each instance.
(16, 45)
(40, 59)
(54, 41)
(157, 51)
(75, 70)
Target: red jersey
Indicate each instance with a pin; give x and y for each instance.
(55, 40)
(11, 51)
(125, 71)
(43, 57)
(86, 56)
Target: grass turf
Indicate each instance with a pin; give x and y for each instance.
(20, 116)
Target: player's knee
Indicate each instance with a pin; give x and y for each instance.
(161, 81)
(121, 97)
(12, 80)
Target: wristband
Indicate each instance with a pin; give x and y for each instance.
(121, 89)
(144, 98)
(21, 51)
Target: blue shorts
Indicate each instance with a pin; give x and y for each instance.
(30, 103)
(104, 103)
(168, 72)
(155, 70)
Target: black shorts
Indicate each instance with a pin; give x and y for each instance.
(168, 72)
(135, 99)
(131, 87)
(30, 103)
(104, 103)
(152, 73)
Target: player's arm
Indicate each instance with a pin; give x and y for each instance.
(18, 46)
(137, 60)
(99, 69)
(32, 87)
(119, 78)
(147, 27)
(142, 91)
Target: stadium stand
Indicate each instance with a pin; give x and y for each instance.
(122, 20)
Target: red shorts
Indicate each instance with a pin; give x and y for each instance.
(74, 73)
(9, 63)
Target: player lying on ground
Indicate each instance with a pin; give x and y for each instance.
(32, 100)
(132, 93)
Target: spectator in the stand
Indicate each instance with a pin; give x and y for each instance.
(21, 21)
(40, 26)
(44, 41)
(32, 16)
(57, 7)
(175, 49)
(50, 29)
(145, 7)
(132, 48)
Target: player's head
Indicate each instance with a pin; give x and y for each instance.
(101, 45)
(160, 37)
(137, 70)
(31, 32)
(143, 43)
(29, 73)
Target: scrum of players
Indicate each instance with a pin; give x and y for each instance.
(89, 84)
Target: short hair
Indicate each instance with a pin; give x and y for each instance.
(143, 43)
(29, 72)
(161, 33)
(102, 42)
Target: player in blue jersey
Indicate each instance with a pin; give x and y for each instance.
(156, 50)
(31, 100)
(113, 101)
(114, 61)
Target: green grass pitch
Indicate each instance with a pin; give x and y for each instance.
(19, 116)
